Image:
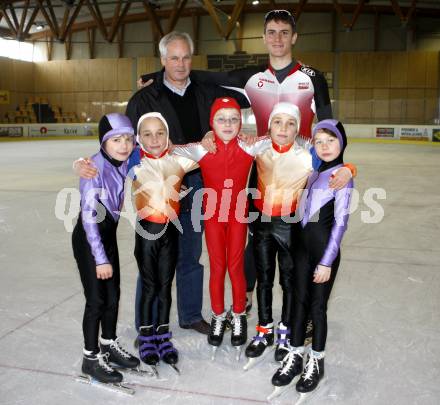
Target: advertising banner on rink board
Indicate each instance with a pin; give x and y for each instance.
(62, 130)
(436, 135)
(10, 131)
(385, 132)
(415, 134)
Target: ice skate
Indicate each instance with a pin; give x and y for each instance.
(239, 332)
(148, 351)
(97, 371)
(215, 337)
(284, 377)
(312, 375)
(256, 350)
(282, 347)
(118, 357)
(168, 353)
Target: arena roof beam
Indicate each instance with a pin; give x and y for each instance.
(53, 17)
(22, 20)
(121, 41)
(49, 47)
(91, 34)
(75, 13)
(8, 21)
(179, 5)
(201, 11)
(196, 32)
(211, 10)
(236, 14)
(152, 16)
(117, 19)
(348, 24)
(49, 22)
(97, 17)
(14, 16)
(68, 45)
(299, 9)
(31, 21)
(404, 18)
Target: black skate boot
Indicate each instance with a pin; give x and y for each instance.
(291, 366)
(260, 342)
(239, 332)
(239, 329)
(96, 366)
(282, 341)
(218, 325)
(312, 374)
(215, 337)
(117, 355)
(168, 353)
(148, 352)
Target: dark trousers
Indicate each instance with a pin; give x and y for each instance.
(271, 239)
(310, 299)
(102, 296)
(156, 259)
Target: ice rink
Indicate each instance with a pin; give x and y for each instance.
(384, 315)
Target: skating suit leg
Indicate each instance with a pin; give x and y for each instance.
(102, 296)
(156, 258)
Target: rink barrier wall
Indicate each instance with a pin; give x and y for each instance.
(416, 133)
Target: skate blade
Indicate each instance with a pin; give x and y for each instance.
(238, 351)
(303, 397)
(154, 370)
(120, 388)
(174, 367)
(278, 391)
(136, 371)
(213, 352)
(253, 361)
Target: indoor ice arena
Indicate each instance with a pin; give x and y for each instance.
(211, 202)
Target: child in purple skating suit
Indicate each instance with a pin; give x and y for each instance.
(96, 250)
(324, 215)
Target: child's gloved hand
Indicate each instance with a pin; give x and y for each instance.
(248, 139)
(104, 271)
(321, 274)
(208, 142)
(340, 179)
(84, 168)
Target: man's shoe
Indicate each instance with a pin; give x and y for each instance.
(200, 326)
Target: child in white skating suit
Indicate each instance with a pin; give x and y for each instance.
(96, 250)
(324, 215)
(158, 180)
(282, 171)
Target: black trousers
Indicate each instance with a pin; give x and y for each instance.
(156, 258)
(102, 296)
(310, 299)
(271, 239)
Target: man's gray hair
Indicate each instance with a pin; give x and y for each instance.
(173, 36)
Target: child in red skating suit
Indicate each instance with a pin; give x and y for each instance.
(226, 173)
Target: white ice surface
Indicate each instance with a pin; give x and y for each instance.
(383, 345)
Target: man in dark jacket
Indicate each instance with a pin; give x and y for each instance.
(185, 103)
